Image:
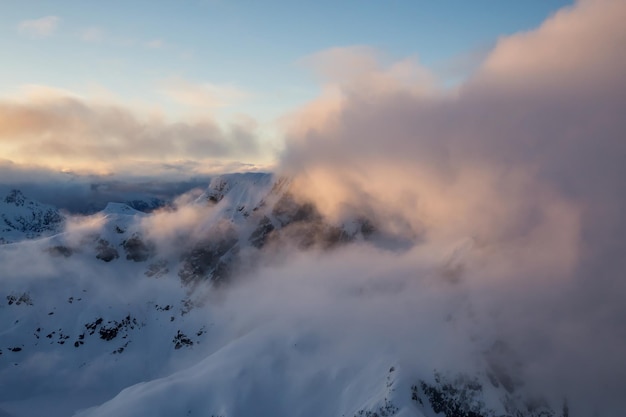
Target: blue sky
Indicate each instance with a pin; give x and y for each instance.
(130, 48)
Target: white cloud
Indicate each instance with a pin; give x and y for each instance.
(525, 158)
(352, 68)
(202, 95)
(39, 28)
(57, 128)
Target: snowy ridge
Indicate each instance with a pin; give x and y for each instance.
(254, 376)
(23, 218)
(245, 191)
(121, 208)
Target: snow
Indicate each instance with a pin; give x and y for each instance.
(342, 332)
(121, 209)
(22, 218)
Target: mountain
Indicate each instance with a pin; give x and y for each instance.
(23, 218)
(240, 300)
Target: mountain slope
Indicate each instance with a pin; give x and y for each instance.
(243, 300)
(23, 218)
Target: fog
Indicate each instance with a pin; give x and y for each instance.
(524, 160)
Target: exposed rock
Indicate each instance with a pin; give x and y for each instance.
(147, 205)
(105, 251)
(23, 298)
(15, 197)
(137, 250)
(464, 396)
(388, 409)
(60, 250)
(260, 234)
(210, 259)
(181, 340)
(288, 210)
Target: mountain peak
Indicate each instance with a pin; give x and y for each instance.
(24, 218)
(120, 208)
(15, 197)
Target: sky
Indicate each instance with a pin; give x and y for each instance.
(229, 71)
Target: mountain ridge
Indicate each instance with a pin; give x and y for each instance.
(119, 312)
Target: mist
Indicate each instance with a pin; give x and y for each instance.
(524, 160)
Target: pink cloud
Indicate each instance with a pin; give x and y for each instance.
(583, 43)
(527, 159)
(58, 129)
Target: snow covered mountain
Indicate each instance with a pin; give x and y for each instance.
(23, 218)
(230, 303)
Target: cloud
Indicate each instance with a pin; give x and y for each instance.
(53, 128)
(524, 159)
(39, 28)
(204, 96)
(360, 66)
(460, 67)
(580, 44)
(495, 134)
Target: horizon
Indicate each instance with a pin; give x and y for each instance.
(101, 89)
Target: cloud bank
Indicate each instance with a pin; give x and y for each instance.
(60, 130)
(525, 159)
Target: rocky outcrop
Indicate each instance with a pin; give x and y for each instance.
(105, 252)
(137, 249)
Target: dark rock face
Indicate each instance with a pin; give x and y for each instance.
(23, 298)
(181, 340)
(15, 197)
(278, 220)
(301, 224)
(388, 409)
(105, 251)
(260, 234)
(108, 333)
(146, 206)
(137, 250)
(208, 260)
(60, 250)
(109, 330)
(463, 396)
(288, 210)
